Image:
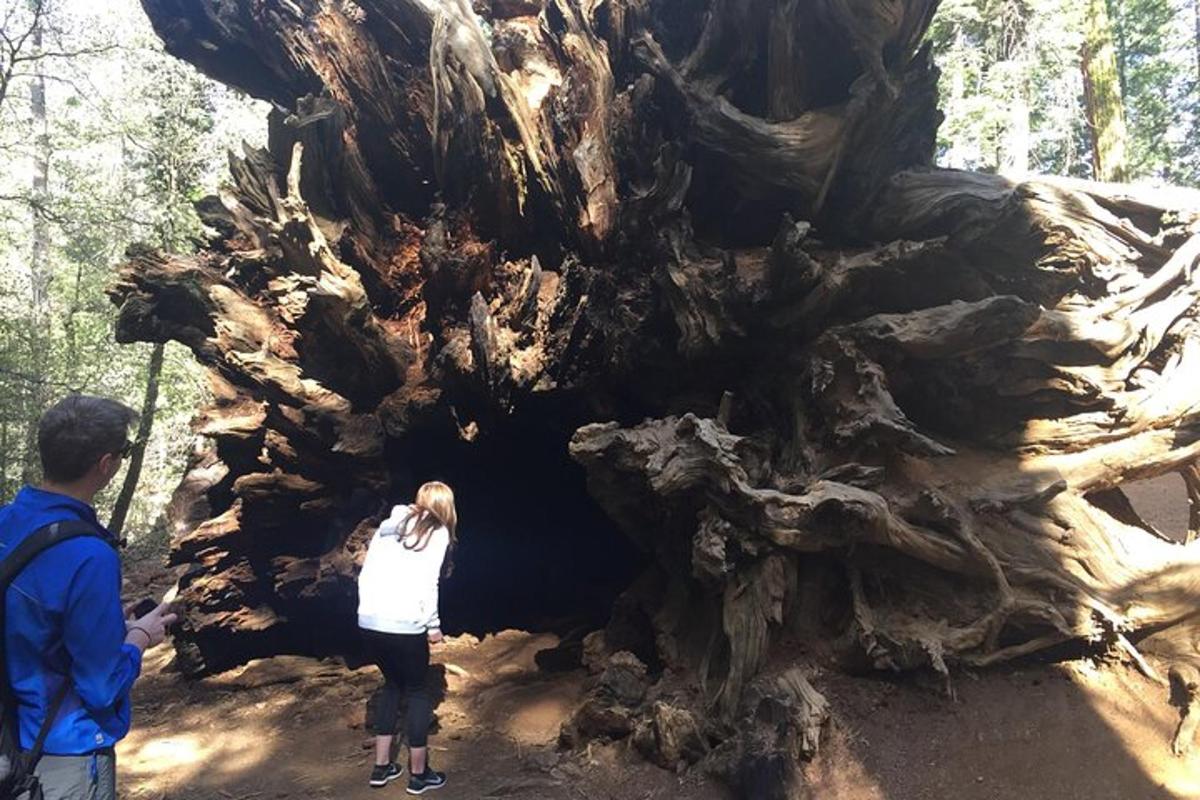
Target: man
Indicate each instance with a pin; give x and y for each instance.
(64, 624)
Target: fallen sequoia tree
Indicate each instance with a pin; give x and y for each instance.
(857, 408)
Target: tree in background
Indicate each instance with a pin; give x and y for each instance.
(137, 456)
(167, 159)
(1102, 95)
(1010, 85)
(40, 268)
(1009, 64)
(131, 140)
(1156, 60)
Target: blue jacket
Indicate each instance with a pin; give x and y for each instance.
(63, 622)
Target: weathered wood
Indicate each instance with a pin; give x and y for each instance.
(1185, 683)
(619, 211)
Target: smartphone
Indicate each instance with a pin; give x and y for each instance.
(148, 604)
(143, 607)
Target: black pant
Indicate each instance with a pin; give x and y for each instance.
(403, 658)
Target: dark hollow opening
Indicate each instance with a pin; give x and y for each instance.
(534, 550)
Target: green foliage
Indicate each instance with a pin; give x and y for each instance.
(1007, 68)
(1013, 92)
(135, 138)
(1155, 58)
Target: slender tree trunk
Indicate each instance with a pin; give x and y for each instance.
(121, 508)
(954, 156)
(1196, 16)
(1014, 156)
(71, 329)
(39, 266)
(1102, 93)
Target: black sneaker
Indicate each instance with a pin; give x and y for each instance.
(382, 776)
(419, 784)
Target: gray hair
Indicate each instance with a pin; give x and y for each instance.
(76, 431)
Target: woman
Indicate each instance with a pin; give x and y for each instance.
(398, 615)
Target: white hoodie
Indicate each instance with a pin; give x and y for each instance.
(398, 586)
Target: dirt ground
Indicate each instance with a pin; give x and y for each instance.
(1163, 503)
(1059, 732)
(293, 728)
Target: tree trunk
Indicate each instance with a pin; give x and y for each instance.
(137, 454)
(1117, 24)
(1102, 95)
(1196, 16)
(600, 218)
(39, 264)
(1014, 159)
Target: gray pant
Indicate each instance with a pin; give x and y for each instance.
(91, 777)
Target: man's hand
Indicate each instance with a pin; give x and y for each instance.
(148, 630)
(435, 635)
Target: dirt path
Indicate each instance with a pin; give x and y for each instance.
(1058, 732)
(292, 728)
(1163, 503)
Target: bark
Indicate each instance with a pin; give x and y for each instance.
(1102, 95)
(70, 328)
(1185, 684)
(39, 260)
(874, 396)
(137, 454)
(1118, 21)
(1196, 16)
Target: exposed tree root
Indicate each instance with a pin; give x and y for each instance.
(885, 409)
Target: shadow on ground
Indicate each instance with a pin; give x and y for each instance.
(1060, 731)
(293, 728)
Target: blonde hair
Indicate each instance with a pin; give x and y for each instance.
(434, 509)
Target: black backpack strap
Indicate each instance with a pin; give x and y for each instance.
(35, 754)
(30, 548)
(40, 540)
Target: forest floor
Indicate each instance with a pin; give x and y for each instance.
(292, 728)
